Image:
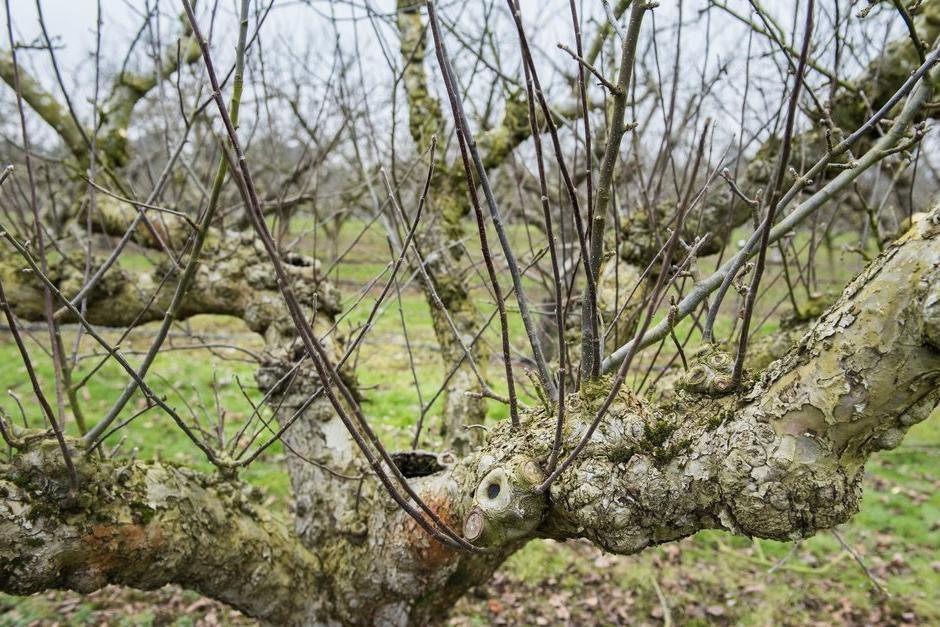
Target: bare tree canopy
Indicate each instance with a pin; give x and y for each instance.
(601, 237)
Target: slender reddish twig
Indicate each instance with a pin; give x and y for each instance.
(774, 197)
(47, 296)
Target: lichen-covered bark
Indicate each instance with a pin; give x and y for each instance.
(886, 72)
(232, 279)
(378, 566)
(129, 88)
(324, 466)
(782, 460)
(146, 524)
(115, 217)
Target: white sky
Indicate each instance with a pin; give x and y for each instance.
(295, 25)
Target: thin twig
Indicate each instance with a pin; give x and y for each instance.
(469, 151)
(613, 89)
(47, 297)
(773, 196)
(199, 240)
(591, 341)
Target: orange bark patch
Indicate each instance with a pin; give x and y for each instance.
(430, 554)
(111, 546)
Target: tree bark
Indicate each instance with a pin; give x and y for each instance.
(232, 279)
(144, 525)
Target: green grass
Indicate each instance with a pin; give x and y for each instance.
(712, 577)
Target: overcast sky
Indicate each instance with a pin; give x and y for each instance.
(296, 25)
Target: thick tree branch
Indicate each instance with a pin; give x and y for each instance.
(144, 525)
(425, 116)
(786, 459)
(887, 71)
(231, 280)
(129, 88)
(781, 461)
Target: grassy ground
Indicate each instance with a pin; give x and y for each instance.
(889, 573)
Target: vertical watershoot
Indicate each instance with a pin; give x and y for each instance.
(616, 127)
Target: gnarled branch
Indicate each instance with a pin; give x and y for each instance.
(144, 525)
(44, 104)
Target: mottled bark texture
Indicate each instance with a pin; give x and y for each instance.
(781, 459)
(147, 524)
(232, 279)
(44, 104)
(784, 459)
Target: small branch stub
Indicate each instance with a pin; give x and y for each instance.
(506, 506)
(473, 527)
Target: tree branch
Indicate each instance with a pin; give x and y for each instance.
(144, 525)
(45, 105)
(878, 83)
(130, 88)
(780, 461)
(786, 459)
(448, 298)
(231, 280)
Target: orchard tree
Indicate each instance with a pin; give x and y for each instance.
(596, 229)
